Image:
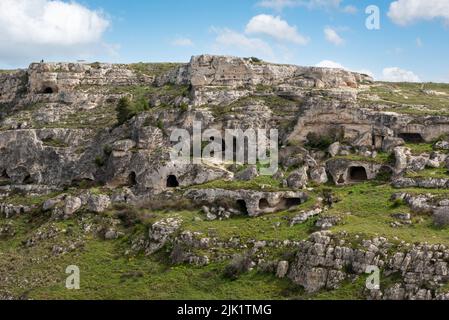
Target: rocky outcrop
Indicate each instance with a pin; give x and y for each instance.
(325, 261)
(345, 171)
(160, 233)
(252, 203)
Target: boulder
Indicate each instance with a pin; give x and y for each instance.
(98, 203)
(160, 233)
(298, 179)
(248, 174)
(334, 149)
(282, 269)
(71, 205)
(389, 143)
(319, 175)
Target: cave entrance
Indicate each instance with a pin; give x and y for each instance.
(28, 180)
(132, 179)
(264, 204)
(287, 203)
(412, 137)
(172, 182)
(341, 179)
(358, 174)
(293, 202)
(241, 205)
(4, 175)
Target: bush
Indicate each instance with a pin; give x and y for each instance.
(99, 161)
(129, 216)
(441, 217)
(107, 149)
(126, 109)
(316, 141)
(398, 203)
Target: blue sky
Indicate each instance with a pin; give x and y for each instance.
(411, 44)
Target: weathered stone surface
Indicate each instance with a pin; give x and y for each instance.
(71, 205)
(322, 262)
(390, 143)
(248, 174)
(282, 269)
(319, 175)
(160, 232)
(253, 203)
(298, 179)
(334, 149)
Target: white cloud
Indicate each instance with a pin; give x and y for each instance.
(419, 42)
(182, 42)
(276, 28)
(332, 36)
(33, 29)
(337, 65)
(279, 5)
(330, 64)
(395, 74)
(233, 42)
(350, 9)
(404, 12)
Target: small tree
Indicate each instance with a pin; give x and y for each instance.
(124, 110)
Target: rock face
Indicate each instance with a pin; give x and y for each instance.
(344, 171)
(252, 203)
(47, 146)
(61, 139)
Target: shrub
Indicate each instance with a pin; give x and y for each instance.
(107, 149)
(184, 107)
(316, 141)
(398, 203)
(129, 216)
(126, 109)
(99, 161)
(255, 60)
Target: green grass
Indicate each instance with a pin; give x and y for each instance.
(56, 143)
(420, 148)
(381, 158)
(261, 183)
(153, 69)
(371, 209)
(403, 96)
(429, 173)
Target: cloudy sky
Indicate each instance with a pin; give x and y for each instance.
(412, 43)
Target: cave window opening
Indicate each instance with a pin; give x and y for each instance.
(358, 174)
(132, 179)
(264, 204)
(241, 205)
(48, 90)
(4, 175)
(28, 180)
(172, 182)
(293, 202)
(412, 137)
